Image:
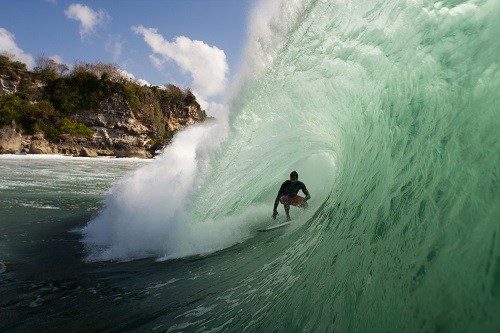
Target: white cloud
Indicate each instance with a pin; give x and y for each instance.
(126, 74)
(9, 47)
(115, 47)
(131, 77)
(143, 82)
(87, 17)
(57, 59)
(213, 109)
(206, 64)
(157, 62)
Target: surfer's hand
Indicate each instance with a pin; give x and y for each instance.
(275, 213)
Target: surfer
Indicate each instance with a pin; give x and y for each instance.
(287, 195)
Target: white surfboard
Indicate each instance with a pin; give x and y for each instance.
(281, 225)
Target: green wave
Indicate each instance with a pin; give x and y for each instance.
(389, 112)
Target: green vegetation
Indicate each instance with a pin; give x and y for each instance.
(79, 91)
(6, 62)
(54, 93)
(74, 128)
(38, 117)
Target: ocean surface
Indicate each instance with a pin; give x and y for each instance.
(389, 112)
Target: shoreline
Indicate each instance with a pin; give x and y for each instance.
(62, 156)
(13, 142)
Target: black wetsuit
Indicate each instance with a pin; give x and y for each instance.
(290, 189)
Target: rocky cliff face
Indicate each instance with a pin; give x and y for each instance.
(181, 117)
(11, 79)
(117, 130)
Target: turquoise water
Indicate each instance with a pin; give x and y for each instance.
(388, 111)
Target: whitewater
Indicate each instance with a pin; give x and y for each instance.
(389, 112)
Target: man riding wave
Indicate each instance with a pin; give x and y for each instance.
(287, 195)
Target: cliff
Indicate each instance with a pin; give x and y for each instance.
(86, 115)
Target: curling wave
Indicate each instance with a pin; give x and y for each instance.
(388, 110)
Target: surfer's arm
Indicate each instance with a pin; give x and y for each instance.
(306, 192)
(276, 203)
(277, 200)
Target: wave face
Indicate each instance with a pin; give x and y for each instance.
(389, 112)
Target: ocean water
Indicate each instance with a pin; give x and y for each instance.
(388, 111)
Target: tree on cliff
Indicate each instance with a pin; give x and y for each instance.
(49, 69)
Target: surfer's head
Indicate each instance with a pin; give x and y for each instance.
(294, 176)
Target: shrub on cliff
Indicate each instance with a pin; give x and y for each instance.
(5, 61)
(172, 95)
(74, 128)
(79, 91)
(10, 106)
(137, 96)
(33, 115)
(108, 72)
(38, 117)
(29, 93)
(63, 126)
(49, 69)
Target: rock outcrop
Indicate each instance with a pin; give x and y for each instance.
(10, 141)
(41, 146)
(118, 129)
(178, 118)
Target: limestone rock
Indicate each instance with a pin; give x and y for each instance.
(87, 152)
(10, 141)
(69, 151)
(182, 117)
(40, 146)
(125, 150)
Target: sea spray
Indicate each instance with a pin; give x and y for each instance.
(147, 207)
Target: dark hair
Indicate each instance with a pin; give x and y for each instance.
(294, 175)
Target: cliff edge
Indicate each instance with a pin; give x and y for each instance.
(93, 111)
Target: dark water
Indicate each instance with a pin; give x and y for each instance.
(45, 285)
(387, 109)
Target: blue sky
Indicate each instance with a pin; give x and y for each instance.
(190, 43)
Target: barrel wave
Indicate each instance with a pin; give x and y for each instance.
(389, 112)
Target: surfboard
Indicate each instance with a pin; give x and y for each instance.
(281, 225)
